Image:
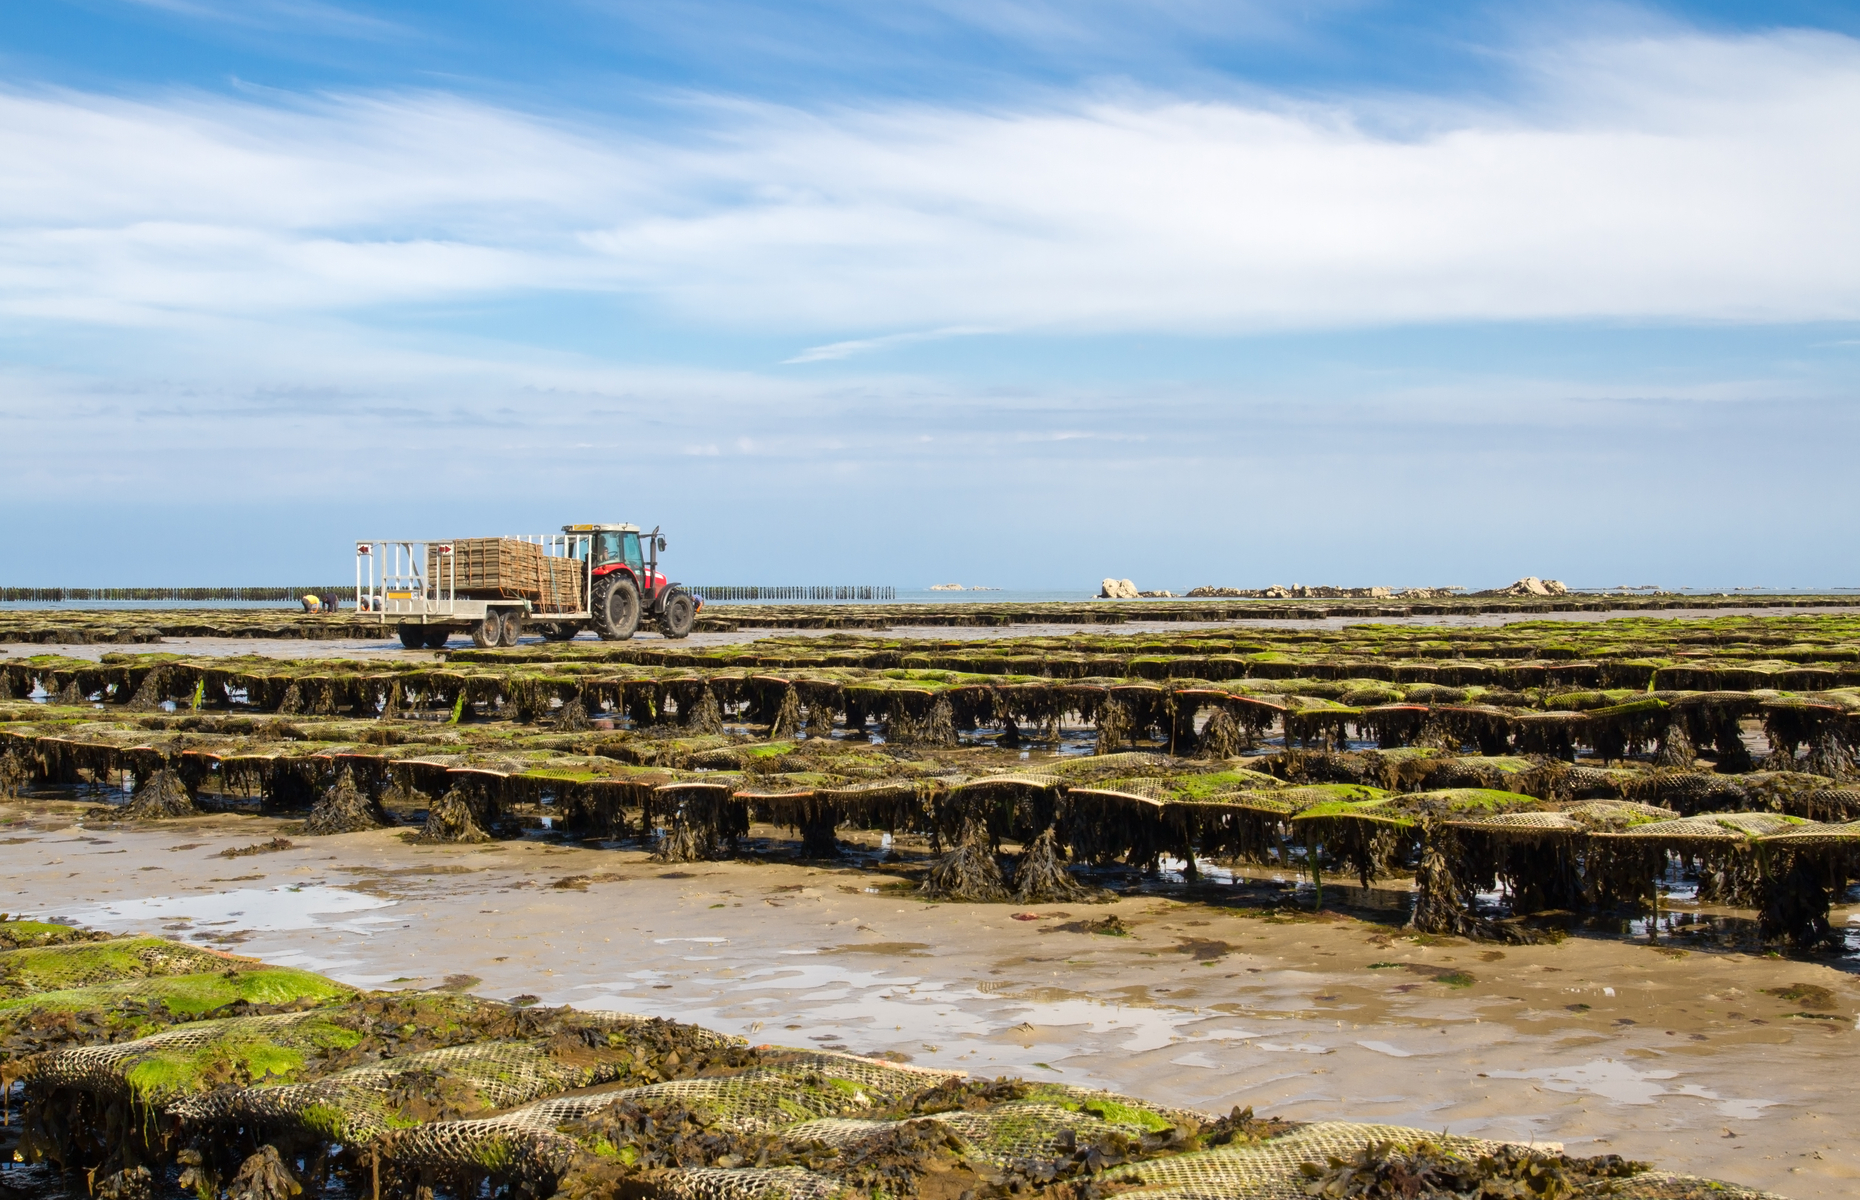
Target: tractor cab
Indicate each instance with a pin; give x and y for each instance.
(611, 548)
(608, 546)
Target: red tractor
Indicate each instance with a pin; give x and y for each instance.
(592, 576)
(623, 585)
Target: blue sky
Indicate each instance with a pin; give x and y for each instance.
(1013, 293)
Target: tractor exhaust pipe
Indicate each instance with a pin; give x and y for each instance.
(652, 568)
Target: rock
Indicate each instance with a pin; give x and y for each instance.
(946, 587)
(1118, 589)
(1530, 585)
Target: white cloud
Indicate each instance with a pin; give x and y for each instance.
(1682, 177)
(838, 350)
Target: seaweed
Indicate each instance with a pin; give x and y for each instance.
(1115, 727)
(969, 871)
(1040, 877)
(787, 720)
(1223, 737)
(1442, 902)
(706, 715)
(1676, 749)
(1391, 1171)
(452, 818)
(344, 808)
(160, 796)
(263, 1176)
(573, 716)
(1796, 903)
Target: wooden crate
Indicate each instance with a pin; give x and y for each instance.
(507, 569)
(562, 586)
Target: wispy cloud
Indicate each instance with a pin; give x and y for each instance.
(302, 16)
(1683, 177)
(838, 350)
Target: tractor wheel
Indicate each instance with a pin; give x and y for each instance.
(679, 614)
(487, 633)
(437, 636)
(558, 631)
(615, 607)
(412, 636)
(513, 627)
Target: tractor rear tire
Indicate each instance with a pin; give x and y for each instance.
(412, 637)
(558, 631)
(437, 636)
(615, 607)
(488, 632)
(679, 614)
(513, 627)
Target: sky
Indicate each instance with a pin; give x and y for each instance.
(1020, 293)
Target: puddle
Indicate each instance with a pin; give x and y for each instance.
(1281, 1048)
(1385, 1048)
(1140, 1029)
(1614, 1080)
(259, 909)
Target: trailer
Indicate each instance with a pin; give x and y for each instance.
(597, 577)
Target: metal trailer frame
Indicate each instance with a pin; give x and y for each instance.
(391, 583)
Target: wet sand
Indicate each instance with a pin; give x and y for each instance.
(1602, 1044)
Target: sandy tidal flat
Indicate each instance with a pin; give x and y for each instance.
(1602, 1044)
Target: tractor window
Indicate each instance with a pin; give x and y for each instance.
(607, 549)
(633, 558)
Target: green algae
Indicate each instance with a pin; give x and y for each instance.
(190, 995)
(25, 934)
(240, 1059)
(1115, 1111)
(84, 964)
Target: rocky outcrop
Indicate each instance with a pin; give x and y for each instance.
(1299, 591)
(1530, 585)
(1118, 589)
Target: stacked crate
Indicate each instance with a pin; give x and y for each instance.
(507, 569)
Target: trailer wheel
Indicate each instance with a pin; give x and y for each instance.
(615, 607)
(679, 614)
(412, 637)
(487, 633)
(513, 628)
(437, 636)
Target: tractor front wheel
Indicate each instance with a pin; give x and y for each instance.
(679, 614)
(615, 607)
(558, 631)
